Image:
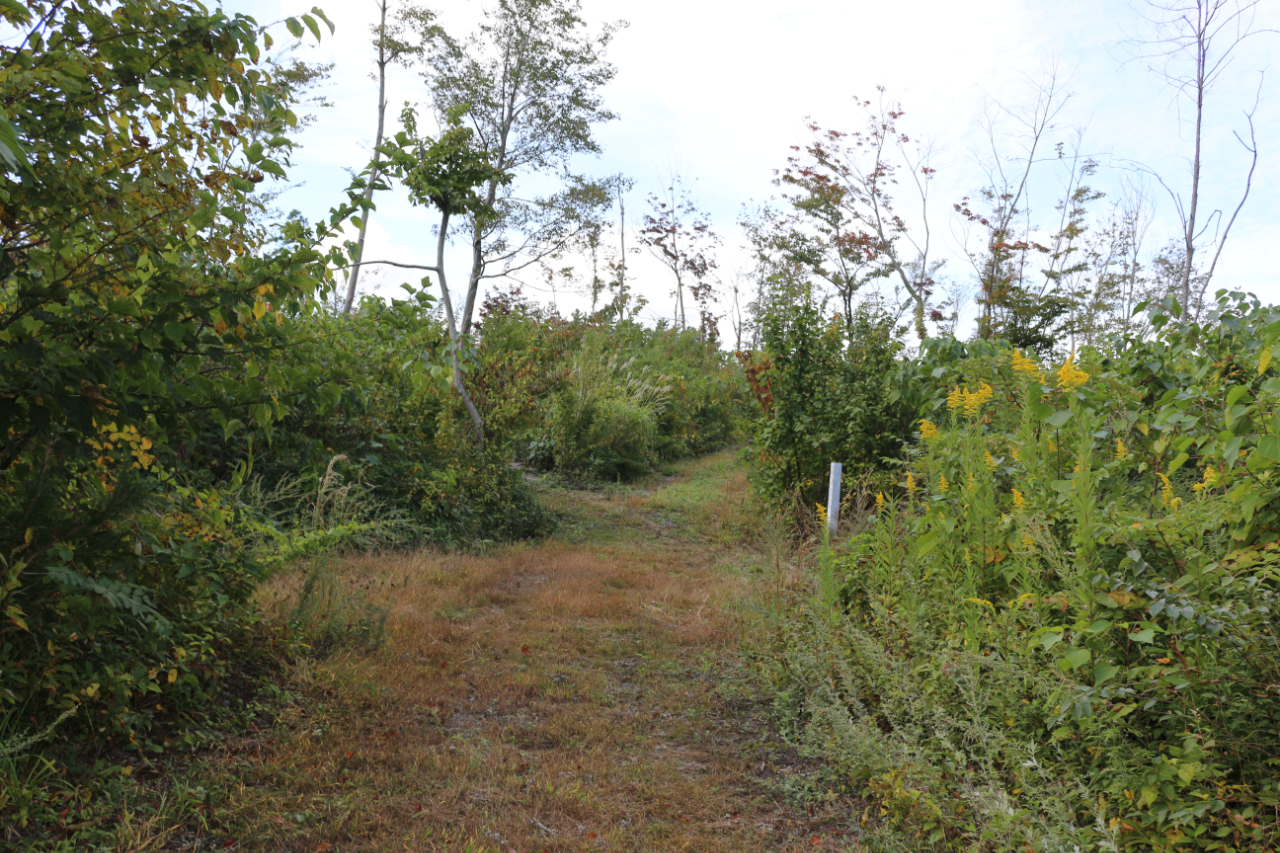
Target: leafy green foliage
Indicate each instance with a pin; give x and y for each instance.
(1059, 631)
(824, 397)
(140, 317)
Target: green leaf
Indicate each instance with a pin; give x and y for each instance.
(271, 167)
(1146, 635)
(231, 426)
(1058, 419)
(175, 332)
(1269, 447)
(1236, 392)
(294, 27)
(203, 216)
(1103, 671)
(1050, 639)
(14, 12)
(10, 145)
(1077, 658)
(234, 215)
(312, 25)
(1178, 462)
(319, 13)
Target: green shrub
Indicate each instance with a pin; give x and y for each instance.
(1061, 635)
(824, 397)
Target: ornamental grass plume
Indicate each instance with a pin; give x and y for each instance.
(1071, 377)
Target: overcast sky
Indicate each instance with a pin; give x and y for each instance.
(720, 92)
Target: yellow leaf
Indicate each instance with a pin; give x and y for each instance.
(1263, 361)
(173, 676)
(1142, 428)
(259, 309)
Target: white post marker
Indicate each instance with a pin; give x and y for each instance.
(833, 500)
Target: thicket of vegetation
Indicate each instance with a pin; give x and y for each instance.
(182, 412)
(1048, 620)
(1054, 625)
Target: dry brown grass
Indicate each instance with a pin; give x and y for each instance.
(573, 695)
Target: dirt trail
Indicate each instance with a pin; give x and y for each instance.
(586, 693)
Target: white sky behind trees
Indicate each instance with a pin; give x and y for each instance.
(719, 93)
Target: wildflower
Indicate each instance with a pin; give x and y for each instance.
(943, 485)
(1019, 500)
(880, 502)
(1166, 493)
(973, 483)
(822, 515)
(1053, 446)
(1028, 541)
(1013, 451)
(1122, 452)
(955, 400)
(928, 430)
(1070, 376)
(1079, 467)
(973, 401)
(1027, 367)
(911, 483)
(1210, 480)
(989, 460)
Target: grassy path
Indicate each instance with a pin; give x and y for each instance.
(586, 693)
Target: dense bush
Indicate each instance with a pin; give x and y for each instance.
(604, 399)
(1059, 631)
(824, 387)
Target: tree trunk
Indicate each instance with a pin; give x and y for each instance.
(455, 337)
(377, 157)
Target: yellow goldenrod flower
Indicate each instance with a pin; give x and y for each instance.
(1071, 377)
(1019, 500)
(1079, 466)
(943, 485)
(880, 502)
(1015, 453)
(955, 400)
(973, 400)
(911, 483)
(1122, 452)
(1027, 367)
(1053, 447)
(928, 430)
(1166, 492)
(989, 460)
(1028, 541)
(1210, 479)
(973, 484)
(822, 515)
